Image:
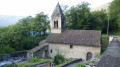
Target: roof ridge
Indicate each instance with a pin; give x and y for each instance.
(57, 10)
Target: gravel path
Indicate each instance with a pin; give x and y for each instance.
(111, 57)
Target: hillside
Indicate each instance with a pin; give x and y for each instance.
(6, 20)
(104, 6)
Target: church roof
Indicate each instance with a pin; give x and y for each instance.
(76, 37)
(57, 11)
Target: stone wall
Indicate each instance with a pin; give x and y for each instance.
(4, 57)
(72, 62)
(15, 54)
(76, 52)
(18, 54)
(41, 53)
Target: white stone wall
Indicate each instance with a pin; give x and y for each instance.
(55, 30)
(76, 52)
(110, 39)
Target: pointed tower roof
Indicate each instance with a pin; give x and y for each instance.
(57, 11)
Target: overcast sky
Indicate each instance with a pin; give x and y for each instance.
(31, 7)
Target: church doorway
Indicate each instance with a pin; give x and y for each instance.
(88, 56)
(46, 53)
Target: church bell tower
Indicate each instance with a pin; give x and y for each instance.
(57, 22)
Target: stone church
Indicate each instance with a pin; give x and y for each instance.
(83, 44)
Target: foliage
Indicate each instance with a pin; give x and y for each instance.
(11, 65)
(67, 61)
(58, 59)
(99, 56)
(29, 64)
(80, 65)
(79, 17)
(34, 59)
(99, 21)
(104, 42)
(92, 63)
(114, 15)
(25, 34)
(6, 49)
(116, 33)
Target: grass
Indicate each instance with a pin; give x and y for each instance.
(92, 62)
(69, 60)
(117, 33)
(29, 64)
(99, 56)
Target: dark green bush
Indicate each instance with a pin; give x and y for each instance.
(58, 59)
(80, 65)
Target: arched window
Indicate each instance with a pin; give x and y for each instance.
(88, 56)
(55, 24)
(51, 51)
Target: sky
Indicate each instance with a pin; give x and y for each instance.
(32, 7)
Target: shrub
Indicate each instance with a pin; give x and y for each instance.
(58, 59)
(80, 65)
(105, 39)
(34, 59)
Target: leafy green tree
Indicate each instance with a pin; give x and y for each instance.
(26, 33)
(78, 17)
(99, 20)
(6, 49)
(114, 15)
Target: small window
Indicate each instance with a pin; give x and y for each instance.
(71, 46)
(46, 51)
(51, 50)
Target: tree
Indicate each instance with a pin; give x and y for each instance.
(25, 34)
(114, 15)
(99, 21)
(78, 17)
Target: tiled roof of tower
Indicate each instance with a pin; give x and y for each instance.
(76, 37)
(57, 11)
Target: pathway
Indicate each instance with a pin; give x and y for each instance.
(111, 57)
